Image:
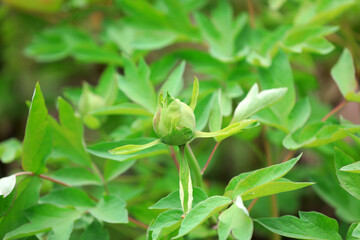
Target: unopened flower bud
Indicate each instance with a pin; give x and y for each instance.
(174, 121)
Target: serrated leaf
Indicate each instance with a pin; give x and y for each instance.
(38, 136)
(348, 180)
(111, 209)
(137, 86)
(310, 225)
(43, 218)
(201, 212)
(172, 200)
(68, 135)
(102, 149)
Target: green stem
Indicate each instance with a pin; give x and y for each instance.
(194, 166)
(186, 191)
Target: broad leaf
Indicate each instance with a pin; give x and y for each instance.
(95, 231)
(37, 141)
(247, 182)
(201, 212)
(10, 150)
(215, 119)
(76, 176)
(114, 168)
(68, 197)
(122, 109)
(235, 220)
(27, 195)
(310, 225)
(174, 83)
(255, 101)
(43, 218)
(343, 73)
(348, 180)
(166, 223)
(111, 209)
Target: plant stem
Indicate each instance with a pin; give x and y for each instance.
(137, 222)
(194, 166)
(173, 156)
(251, 13)
(185, 184)
(210, 157)
(336, 109)
(252, 204)
(288, 156)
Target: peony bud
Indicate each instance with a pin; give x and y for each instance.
(174, 121)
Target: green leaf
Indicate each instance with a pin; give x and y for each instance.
(299, 114)
(76, 176)
(166, 223)
(247, 182)
(38, 140)
(113, 169)
(68, 135)
(255, 101)
(132, 148)
(172, 201)
(95, 231)
(279, 75)
(343, 73)
(236, 221)
(10, 150)
(91, 53)
(276, 4)
(348, 180)
(7, 184)
(107, 86)
(202, 111)
(222, 31)
(215, 119)
(195, 94)
(137, 86)
(68, 197)
(111, 209)
(43, 218)
(7, 203)
(353, 232)
(201, 212)
(353, 167)
(27, 195)
(122, 109)
(226, 132)
(174, 83)
(277, 186)
(102, 149)
(310, 225)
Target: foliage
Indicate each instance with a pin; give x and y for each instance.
(97, 162)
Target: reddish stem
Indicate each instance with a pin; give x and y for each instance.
(336, 109)
(288, 156)
(140, 224)
(251, 13)
(252, 204)
(210, 157)
(173, 156)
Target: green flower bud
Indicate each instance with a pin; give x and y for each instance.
(174, 121)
